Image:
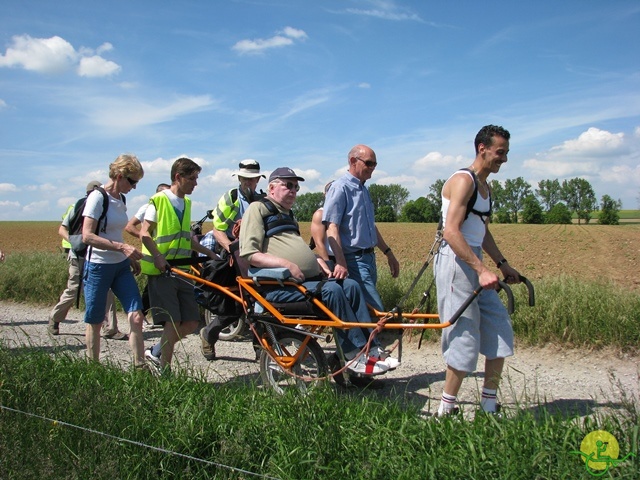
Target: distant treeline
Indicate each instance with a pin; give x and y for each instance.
(513, 201)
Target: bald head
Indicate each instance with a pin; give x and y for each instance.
(362, 162)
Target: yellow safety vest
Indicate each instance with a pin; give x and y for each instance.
(66, 245)
(172, 238)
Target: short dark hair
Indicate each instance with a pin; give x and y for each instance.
(162, 186)
(486, 134)
(185, 167)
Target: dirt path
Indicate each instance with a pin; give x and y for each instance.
(567, 380)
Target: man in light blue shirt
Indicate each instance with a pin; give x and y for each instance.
(351, 230)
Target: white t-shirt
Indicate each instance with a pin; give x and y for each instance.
(140, 213)
(116, 221)
(151, 215)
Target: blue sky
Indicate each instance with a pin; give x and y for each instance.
(298, 83)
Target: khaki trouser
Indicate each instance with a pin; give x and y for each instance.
(68, 297)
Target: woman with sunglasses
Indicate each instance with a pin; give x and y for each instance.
(110, 262)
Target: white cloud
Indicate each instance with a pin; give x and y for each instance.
(3, 104)
(7, 203)
(593, 142)
(97, 66)
(282, 39)
(310, 175)
(555, 168)
(437, 160)
(307, 101)
(364, 85)
(138, 113)
(105, 47)
(56, 55)
(47, 55)
(36, 207)
(609, 161)
(294, 33)
(64, 202)
(8, 188)
(622, 174)
(163, 166)
(159, 165)
(385, 10)
(386, 15)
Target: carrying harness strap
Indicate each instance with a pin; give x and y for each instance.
(472, 201)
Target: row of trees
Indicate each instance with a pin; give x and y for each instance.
(514, 201)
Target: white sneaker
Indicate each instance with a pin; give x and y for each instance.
(368, 365)
(384, 356)
(151, 357)
(392, 362)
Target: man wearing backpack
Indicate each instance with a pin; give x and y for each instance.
(228, 211)
(485, 327)
(72, 292)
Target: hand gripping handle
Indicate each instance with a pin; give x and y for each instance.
(475, 293)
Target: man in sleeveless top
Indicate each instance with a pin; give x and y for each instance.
(485, 326)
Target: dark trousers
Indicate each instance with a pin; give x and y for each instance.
(218, 323)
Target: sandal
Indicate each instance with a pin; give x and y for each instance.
(117, 335)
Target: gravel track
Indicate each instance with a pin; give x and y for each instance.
(569, 380)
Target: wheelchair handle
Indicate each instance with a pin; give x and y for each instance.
(532, 295)
(502, 286)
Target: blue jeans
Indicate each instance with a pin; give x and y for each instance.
(99, 278)
(344, 298)
(362, 269)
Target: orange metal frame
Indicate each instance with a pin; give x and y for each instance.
(386, 319)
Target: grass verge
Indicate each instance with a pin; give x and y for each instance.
(129, 423)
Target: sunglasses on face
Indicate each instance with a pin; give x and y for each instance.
(368, 163)
(131, 181)
(291, 186)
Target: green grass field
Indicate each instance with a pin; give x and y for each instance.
(61, 417)
(66, 418)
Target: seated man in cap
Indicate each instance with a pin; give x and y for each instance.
(273, 240)
(229, 210)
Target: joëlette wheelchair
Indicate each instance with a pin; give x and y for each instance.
(286, 335)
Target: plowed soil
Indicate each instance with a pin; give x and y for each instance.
(600, 252)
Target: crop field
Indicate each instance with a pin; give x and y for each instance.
(588, 252)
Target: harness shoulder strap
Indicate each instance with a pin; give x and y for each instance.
(105, 208)
(275, 221)
(474, 195)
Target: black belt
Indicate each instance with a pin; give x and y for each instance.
(362, 251)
